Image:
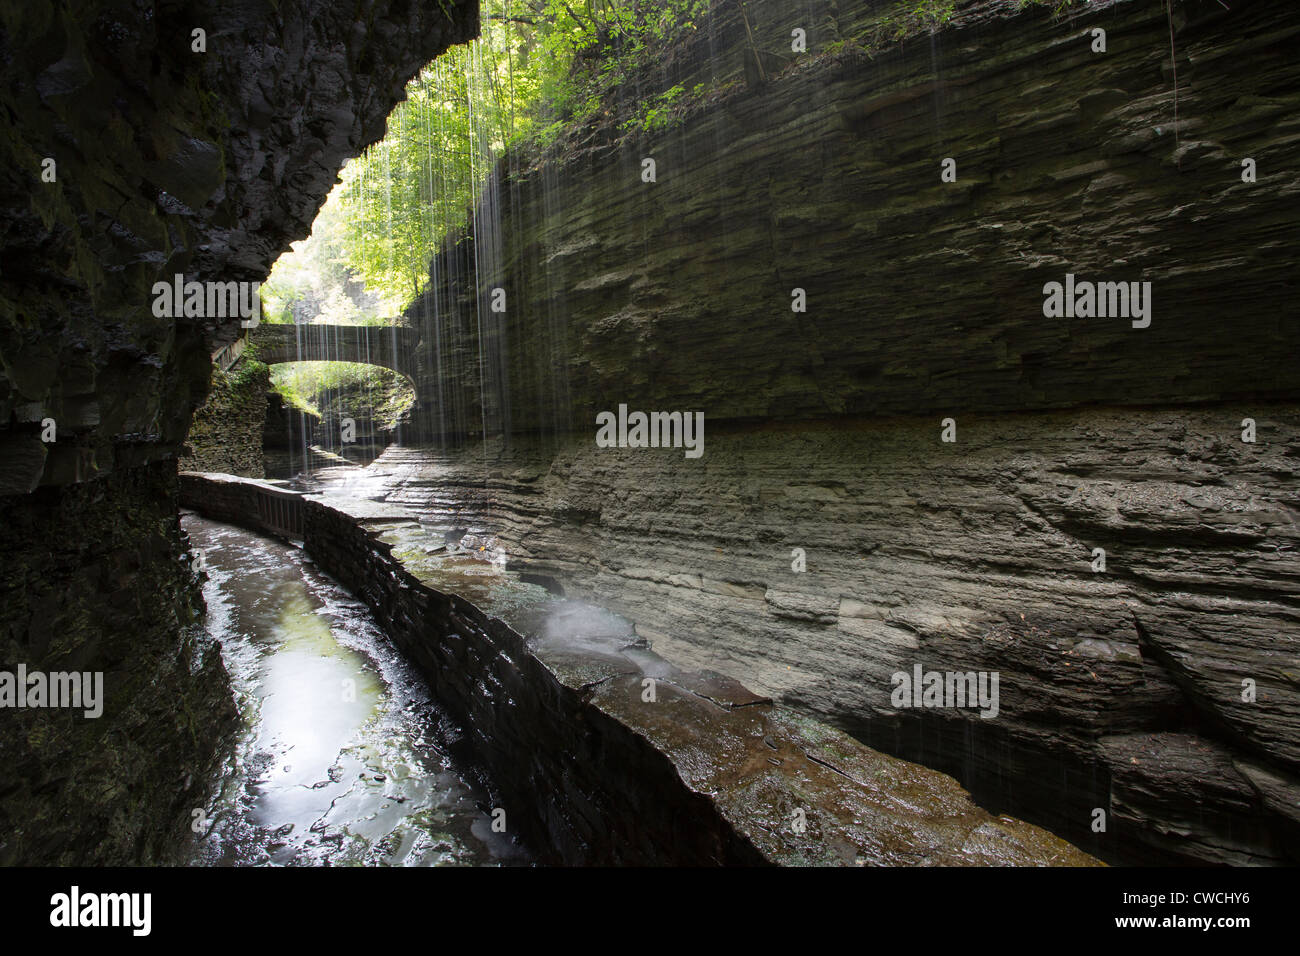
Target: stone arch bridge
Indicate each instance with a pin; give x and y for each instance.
(392, 347)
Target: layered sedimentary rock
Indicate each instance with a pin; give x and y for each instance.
(227, 433)
(1161, 690)
(134, 153)
(921, 295)
(1119, 689)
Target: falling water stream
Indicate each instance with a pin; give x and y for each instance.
(461, 115)
(340, 757)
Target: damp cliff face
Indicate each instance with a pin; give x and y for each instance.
(1120, 690)
(922, 296)
(226, 433)
(131, 156)
(1159, 687)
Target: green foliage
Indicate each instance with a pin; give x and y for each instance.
(906, 18)
(1058, 6)
(608, 46)
(247, 374)
(658, 113)
(538, 67)
(312, 387)
(903, 19)
(315, 278)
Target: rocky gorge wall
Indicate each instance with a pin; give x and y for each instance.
(98, 579)
(227, 433)
(922, 296)
(130, 156)
(1160, 690)
(1120, 689)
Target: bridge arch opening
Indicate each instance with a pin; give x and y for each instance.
(324, 413)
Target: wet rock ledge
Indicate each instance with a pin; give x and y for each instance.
(551, 694)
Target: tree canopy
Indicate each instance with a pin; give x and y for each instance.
(520, 81)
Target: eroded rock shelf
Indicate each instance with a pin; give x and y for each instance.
(1120, 690)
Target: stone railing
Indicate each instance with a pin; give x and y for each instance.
(230, 353)
(259, 505)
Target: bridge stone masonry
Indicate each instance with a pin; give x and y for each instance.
(389, 346)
